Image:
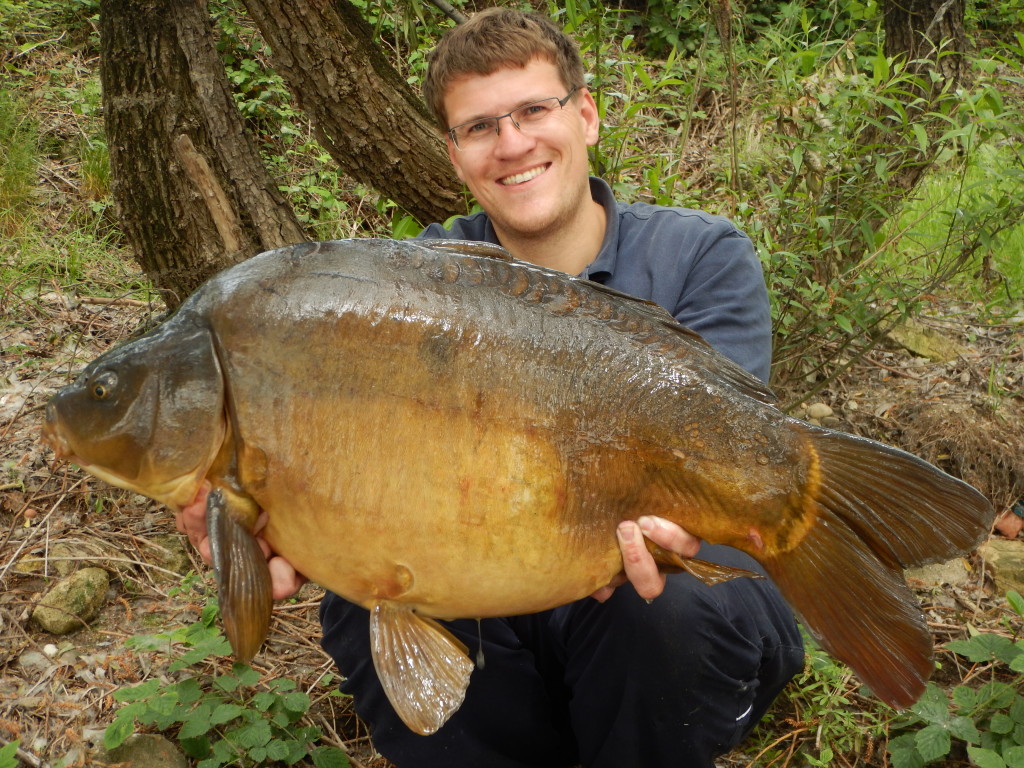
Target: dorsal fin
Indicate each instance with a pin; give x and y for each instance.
(734, 374)
(714, 362)
(469, 248)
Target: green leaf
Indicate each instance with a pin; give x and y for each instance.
(278, 750)
(225, 713)
(252, 735)
(985, 758)
(197, 724)
(1014, 756)
(1001, 723)
(964, 729)
(196, 748)
(965, 698)
(904, 758)
(933, 706)
(996, 695)
(118, 731)
(932, 742)
(1017, 710)
(297, 701)
(246, 675)
(1016, 601)
(332, 757)
(8, 754)
(983, 647)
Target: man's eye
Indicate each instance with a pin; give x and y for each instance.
(481, 127)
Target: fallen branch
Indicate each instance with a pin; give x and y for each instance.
(113, 302)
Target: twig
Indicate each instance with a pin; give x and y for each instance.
(113, 302)
(451, 12)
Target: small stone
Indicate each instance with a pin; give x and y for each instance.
(1004, 558)
(955, 572)
(818, 411)
(72, 601)
(171, 555)
(50, 650)
(145, 750)
(851, 405)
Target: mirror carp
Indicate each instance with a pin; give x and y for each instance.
(438, 431)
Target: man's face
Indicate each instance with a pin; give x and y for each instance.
(528, 182)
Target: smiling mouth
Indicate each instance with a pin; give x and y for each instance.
(519, 178)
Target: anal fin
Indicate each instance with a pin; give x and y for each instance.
(423, 668)
(242, 576)
(708, 573)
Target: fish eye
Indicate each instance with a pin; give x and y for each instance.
(103, 386)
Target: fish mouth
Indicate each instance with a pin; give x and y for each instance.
(53, 437)
(523, 176)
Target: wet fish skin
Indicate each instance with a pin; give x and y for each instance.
(437, 430)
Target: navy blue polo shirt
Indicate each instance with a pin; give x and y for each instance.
(699, 267)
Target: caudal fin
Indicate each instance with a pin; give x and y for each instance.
(880, 510)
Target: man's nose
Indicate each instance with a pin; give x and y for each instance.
(511, 138)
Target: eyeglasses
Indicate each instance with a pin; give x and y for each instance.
(526, 119)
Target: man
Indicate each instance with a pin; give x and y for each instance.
(619, 680)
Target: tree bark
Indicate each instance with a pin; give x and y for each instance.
(929, 31)
(191, 192)
(370, 121)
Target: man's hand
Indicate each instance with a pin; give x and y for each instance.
(639, 567)
(191, 520)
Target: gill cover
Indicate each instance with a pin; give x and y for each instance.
(148, 415)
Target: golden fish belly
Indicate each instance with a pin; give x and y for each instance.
(472, 524)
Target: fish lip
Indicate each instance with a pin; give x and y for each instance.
(57, 442)
(54, 438)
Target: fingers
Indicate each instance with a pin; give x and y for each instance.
(639, 567)
(191, 520)
(637, 562)
(285, 580)
(669, 535)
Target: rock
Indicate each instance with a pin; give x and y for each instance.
(1005, 561)
(956, 573)
(73, 600)
(170, 554)
(144, 750)
(925, 342)
(818, 411)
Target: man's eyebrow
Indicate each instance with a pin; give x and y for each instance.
(486, 115)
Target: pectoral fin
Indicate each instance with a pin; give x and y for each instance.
(709, 573)
(423, 668)
(243, 579)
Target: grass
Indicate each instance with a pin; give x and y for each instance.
(956, 195)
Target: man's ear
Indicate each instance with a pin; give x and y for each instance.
(453, 155)
(591, 118)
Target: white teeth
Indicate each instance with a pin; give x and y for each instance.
(519, 178)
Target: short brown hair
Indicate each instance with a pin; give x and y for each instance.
(493, 39)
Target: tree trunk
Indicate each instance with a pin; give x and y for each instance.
(370, 121)
(192, 194)
(927, 31)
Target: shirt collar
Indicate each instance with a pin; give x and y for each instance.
(603, 267)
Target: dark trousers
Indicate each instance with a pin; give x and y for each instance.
(623, 683)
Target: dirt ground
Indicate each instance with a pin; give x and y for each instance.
(967, 415)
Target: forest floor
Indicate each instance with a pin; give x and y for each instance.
(967, 415)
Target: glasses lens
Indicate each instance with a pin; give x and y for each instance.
(478, 130)
(534, 113)
(484, 131)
